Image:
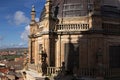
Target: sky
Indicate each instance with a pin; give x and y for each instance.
(14, 21)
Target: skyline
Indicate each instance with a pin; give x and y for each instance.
(14, 21)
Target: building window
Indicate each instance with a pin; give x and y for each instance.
(73, 10)
(114, 56)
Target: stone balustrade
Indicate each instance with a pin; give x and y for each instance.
(90, 72)
(93, 72)
(86, 72)
(53, 70)
(72, 27)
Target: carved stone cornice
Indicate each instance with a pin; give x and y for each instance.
(32, 36)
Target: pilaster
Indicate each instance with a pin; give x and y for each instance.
(58, 52)
(29, 51)
(36, 52)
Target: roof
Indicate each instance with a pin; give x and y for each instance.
(73, 8)
(4, 70)
(17, 65)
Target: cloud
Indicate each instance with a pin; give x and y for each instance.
(36, 19)
(14, 45)
(21, 44)
(25, 33)
(18, 18)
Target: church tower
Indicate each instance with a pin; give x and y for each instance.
(33, 48)
(84, 35)
(47, 33)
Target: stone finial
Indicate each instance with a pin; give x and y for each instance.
(48, 0)
(33, 15)
(33, 8)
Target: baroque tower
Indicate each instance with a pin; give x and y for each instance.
(82, 34)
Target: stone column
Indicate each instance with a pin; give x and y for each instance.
(29, 51)
(58, 52)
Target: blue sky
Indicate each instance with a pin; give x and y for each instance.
(14, 21)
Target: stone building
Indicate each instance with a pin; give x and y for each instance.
(84, 34)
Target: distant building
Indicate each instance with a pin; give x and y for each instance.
(11, 71)
(13, 51)
(84, 34)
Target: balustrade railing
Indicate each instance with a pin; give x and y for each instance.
(107, 72)
(53, 70)
(85, 72)
(93, 72)
(72, 27)
(89, 72)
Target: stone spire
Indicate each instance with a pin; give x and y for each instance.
(33, 8)
(33, 15)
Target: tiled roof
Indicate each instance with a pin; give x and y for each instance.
(4, 70)
(17, 65)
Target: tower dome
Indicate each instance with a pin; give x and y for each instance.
(71, 8)
(76, 8)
